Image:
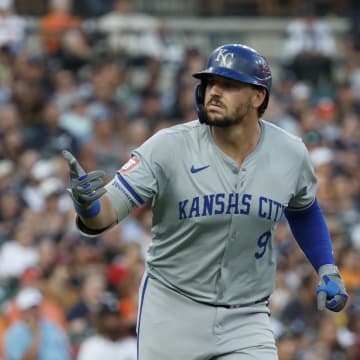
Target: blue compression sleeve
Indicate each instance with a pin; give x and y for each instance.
(311, 233)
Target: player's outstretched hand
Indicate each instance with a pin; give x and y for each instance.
(85, 188)
(331, 292)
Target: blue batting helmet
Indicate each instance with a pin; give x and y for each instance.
(237, 62)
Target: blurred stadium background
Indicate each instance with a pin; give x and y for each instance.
(99, 77)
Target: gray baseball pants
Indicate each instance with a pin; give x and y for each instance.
(172, 326)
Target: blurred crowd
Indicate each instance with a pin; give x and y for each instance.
(99, 87)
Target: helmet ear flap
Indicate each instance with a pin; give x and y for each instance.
(200, 94)
(199, 100)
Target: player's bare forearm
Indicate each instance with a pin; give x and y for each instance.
(104, 218)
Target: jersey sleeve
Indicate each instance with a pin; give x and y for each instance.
(306, 186)
(144, 174)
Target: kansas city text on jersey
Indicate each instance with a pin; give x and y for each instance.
(231, 204)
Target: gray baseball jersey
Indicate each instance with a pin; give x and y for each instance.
(213, 221)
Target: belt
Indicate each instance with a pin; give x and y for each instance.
(236, 306)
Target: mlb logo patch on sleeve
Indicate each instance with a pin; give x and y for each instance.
(130, 165)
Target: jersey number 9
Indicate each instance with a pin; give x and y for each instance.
(262, 244)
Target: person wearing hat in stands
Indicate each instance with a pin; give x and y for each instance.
(110, 340)
(32, 337)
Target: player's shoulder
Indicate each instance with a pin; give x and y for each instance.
(280, 133)
(170, 139)
(177, 133)
(284, 140)
(181, 129)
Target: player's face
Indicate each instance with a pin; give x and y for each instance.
(227, 102)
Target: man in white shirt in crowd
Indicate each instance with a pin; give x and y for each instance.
(110, 340)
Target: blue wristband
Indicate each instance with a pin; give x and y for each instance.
(91, 211)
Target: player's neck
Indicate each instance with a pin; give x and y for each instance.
(237, 141)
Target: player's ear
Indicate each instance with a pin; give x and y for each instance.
(258, 96)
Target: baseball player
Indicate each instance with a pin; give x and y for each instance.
(217, 187)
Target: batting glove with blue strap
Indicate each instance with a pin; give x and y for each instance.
(331, 292)
(85, 188)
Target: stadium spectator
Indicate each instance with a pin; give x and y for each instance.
(309, 49)
(328, 338)
(110, 340)
(92, 8)
(55, 24)
(48, 137)
(76, 119)
(350, 267)
(33, 337)
(104, 144)
(81, 316)
(19, 253)
(301, 311)
(130, 33)
(12, 28)
(34, 278)
(10, 211)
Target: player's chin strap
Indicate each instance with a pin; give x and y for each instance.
(311, 232)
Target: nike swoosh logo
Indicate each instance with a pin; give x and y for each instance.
(195, 170)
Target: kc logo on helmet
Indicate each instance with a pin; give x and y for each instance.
(224, 58)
